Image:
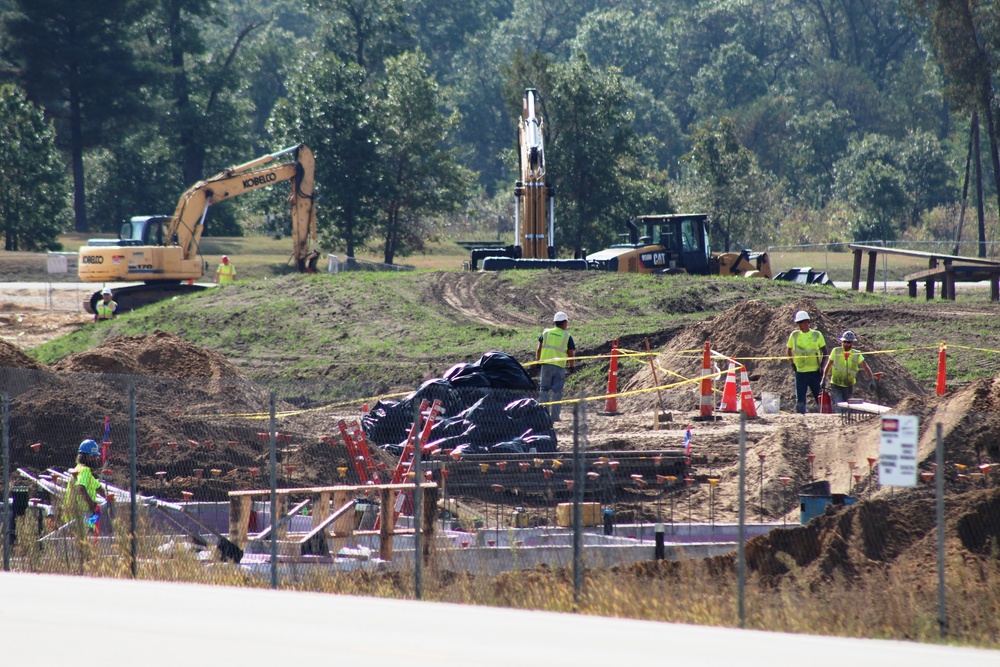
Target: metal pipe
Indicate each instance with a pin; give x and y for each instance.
(942, 606)
(274, 496)
(418, 512)
(6, 482)
(580, 478)
(132, 474)
(741, 553)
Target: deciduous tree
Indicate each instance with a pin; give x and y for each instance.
(33, 195)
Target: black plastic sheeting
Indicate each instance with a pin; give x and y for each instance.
(489, 407)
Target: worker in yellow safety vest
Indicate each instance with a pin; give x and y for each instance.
(106, 308)
(806, 350)
(80, 502)
(843, 366)
(555, 354)
(226, 273)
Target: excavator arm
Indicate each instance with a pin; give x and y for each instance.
(188, 220)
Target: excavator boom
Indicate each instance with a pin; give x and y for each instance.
(162, 251)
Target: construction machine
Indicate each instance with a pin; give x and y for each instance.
(534, 199)
(676, 244)
(162, 251)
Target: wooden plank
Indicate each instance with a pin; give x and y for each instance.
(929, 285)
(315, 542)
(331, 489)
(343, 526)
(856, 273)
(387, 523)
(872, 268)
(429, 520)
(239, 519)
(321, 510)
(928, 255)
(282, 523)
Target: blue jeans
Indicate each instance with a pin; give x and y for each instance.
(804, 382)
(551, 381)
(840, 395)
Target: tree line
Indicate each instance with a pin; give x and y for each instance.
(788, 121)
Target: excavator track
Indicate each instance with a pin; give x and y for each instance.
(131, 297)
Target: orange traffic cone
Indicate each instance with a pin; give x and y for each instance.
(942, 369)
(729, 403)
(746, 395)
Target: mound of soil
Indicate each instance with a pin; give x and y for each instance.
(11, 356)
(199, 420)
(850, 542)
(160, 353)
(756, 334)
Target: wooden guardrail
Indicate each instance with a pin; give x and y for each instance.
(948, 269)
(332, 508)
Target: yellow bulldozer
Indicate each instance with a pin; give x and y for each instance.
(676, 244)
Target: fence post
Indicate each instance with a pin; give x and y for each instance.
(579, 479)
(6, 482)
(942, 607)
(741, 553)
(274, 496)
(418, 507)
(132, 474)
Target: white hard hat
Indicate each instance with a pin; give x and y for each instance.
(106, 290)
(801, 316)
(560, 317)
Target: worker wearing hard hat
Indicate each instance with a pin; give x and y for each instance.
(106, 308)
(226, 273)
(81, 493)
(555, 354)
(843, 365)
(806, 349)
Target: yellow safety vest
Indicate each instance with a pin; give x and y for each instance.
(555, 345)
(105, 311)
(226, 272)
(85, 482)
(806, 350)
(845, 371)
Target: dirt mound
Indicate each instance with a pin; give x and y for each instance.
(198, 417)
(160, 353)
(849, 543)
(757, 335)
(11, 356)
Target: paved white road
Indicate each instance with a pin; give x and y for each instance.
(51, 620)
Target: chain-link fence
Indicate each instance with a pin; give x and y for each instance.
(784, 522)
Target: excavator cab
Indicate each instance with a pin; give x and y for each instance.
(145, 230)
(682, 241)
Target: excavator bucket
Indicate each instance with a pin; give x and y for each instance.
(804, 275)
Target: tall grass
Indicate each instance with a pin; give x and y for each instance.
(890, 603)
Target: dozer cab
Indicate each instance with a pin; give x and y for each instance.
(676, 244)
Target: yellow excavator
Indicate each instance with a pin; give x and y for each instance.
(676, 244)
(162, 251)
(534, 203)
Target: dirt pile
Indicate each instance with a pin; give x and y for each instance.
(11, 356)
(198, 420)
(877, 535)
(159, 353)
(757, 335)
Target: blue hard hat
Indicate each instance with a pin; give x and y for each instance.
(88, 446)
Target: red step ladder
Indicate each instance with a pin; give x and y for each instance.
(357, 449)
(405, 465)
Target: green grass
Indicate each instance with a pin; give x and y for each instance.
(364, 334)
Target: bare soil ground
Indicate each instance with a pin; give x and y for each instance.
(211, 401)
